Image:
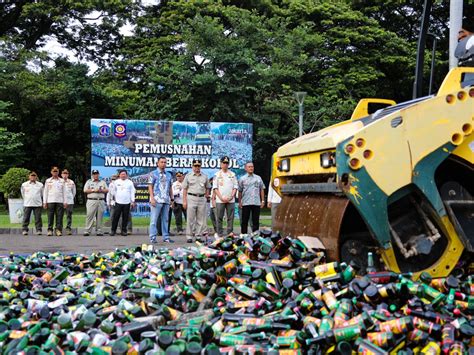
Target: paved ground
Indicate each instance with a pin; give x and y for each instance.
(11, 240)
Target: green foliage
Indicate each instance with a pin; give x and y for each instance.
(228, 60)
(10, 182)
(52, 109)
(11, 144)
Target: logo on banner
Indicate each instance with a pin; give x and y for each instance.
(120, 130)
(105, 130)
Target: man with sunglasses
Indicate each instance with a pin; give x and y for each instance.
(195, 192)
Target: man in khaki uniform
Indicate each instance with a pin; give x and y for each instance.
(95, 189)
(196, 188)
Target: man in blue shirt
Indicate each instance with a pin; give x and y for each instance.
(161, 196)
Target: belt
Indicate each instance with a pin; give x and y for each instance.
(96, 199)
(197, 195)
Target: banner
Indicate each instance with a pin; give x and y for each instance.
(136, 145)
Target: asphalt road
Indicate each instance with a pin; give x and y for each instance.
(15, 242)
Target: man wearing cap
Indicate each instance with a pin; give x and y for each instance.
(32, 194)
(224, 188)
(54, 199)
(195, 192)
(465, 48)
(123, 192)
(70, 195)
(178, 209)
(251, 188)
(95, 189)
(161, 196)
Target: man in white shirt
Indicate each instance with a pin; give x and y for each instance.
(273, 201)
(123, 193)
(54, 199)
(224, 186)
(70, 195)
(32, 192)
(178, 209)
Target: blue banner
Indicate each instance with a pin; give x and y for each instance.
(136, 145)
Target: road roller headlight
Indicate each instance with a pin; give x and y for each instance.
(328, 160)
(284, 165)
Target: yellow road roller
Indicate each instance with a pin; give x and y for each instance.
(398, 181)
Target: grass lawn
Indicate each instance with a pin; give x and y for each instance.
(79, 219)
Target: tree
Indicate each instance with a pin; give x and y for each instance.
(52, 110)
(11, 144)
(230, 61)
(91, 28)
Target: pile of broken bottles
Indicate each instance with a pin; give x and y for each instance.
(256, 294)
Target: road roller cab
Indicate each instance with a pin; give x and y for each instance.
(398, 181)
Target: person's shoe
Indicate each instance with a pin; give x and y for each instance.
(168, 240)
(58, 233)
(86, 234)
(199, 239)
(68, 231)
(112, 234)
(124, 234)
(129, 231)
(39, 232)
(50, 233)
(189, 240)
(100, 234)
(25, 233)
(153, 241)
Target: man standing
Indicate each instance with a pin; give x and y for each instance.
(252, 198)
(465, 49)
(54, 199)
(32, 193)
(195, 192)
(273, 201)
(109, 200)
(123, 192)
(224, 188)
(161, 196)
(95, 189)
(178, 209)
(70, 194)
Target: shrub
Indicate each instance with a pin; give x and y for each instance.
(10, 183)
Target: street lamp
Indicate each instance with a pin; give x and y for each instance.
(300, 95)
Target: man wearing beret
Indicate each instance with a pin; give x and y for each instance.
(54, 200)
(195, 192)
(224, 187)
